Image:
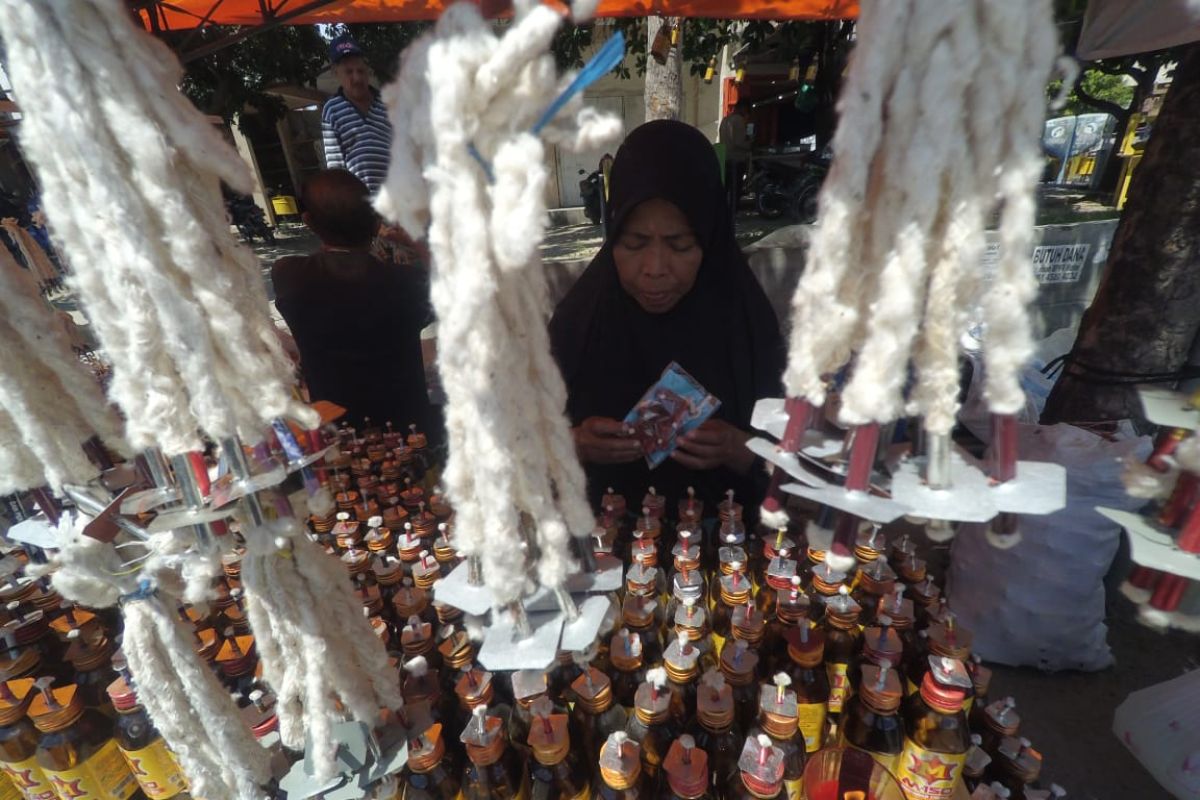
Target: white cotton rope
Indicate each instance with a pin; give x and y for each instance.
(512, 468)
(50, 403)
(130, 171)
(316, 649)
(187, 703)
(895, 257)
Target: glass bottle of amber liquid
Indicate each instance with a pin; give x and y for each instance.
(841, 647)
(93, 667)
(739, 665)
(806, 649)
(652, 725)
(791, 609)
(682, 664)
(735, 591)
(432, 773)
(493, 771)
(620, 774)
(760, 771)
(947, 640)
(871, 722)
(151, 763)
(691, 622)
(556, 770)
(875, 580)
(595, 714)
(640, 614)
(778, 546)
(18, 741)
(715, 729)
(76, 747)
(937, 739)
(687, 771)
(778, 719)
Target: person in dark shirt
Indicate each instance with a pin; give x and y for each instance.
(357, 321)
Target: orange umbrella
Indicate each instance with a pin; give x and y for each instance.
(183, 14)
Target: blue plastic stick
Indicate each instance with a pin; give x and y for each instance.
(605, 61)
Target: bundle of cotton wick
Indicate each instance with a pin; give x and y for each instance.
(472, 113)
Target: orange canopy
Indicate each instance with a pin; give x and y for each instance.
(182, 14)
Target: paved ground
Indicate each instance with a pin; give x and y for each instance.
(1068, 716)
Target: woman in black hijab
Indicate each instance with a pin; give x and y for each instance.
(669, 284)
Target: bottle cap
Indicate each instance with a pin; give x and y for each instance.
(54, 709)
(739, 663)
(748, 623)
(123, 697)
(474, 688)
(780, 573)
(625, 650)
(548, 738)
(620, 761)
(944, 686)
(880, 688)
(638, 610)
(1002, 717)
(426, 751)
(687, 768)
(680, 658)
(841, 608)
(690, 614)
(653, 698)
(15, 697)
(762, 766)
(714, 701)
(881, 642)
(806, 644)
(593, 690)
(528, 684)
(949, 640)
(779, 712)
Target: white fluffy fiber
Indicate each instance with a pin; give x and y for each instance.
(512, 465)
(317, 650)
(191, 709)
(130, 170)
(49, 402)
(896, 253)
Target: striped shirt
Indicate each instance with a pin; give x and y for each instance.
(355, 141)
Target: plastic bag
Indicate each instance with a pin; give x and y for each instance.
(1041, 602)
(1161, 727)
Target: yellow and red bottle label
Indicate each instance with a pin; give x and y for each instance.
(29, 779)
(104, 776)
(839, 686)
(793, 789)
(156, 770)
(926, 775)
(812, 725)
(8, 790)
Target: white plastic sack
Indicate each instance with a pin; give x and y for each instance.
(1041, 603)
(1161, 727)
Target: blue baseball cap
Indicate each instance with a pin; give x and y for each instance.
(343, 46)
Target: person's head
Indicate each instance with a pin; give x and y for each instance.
(349, 67)
(337, 208)
(668, 213)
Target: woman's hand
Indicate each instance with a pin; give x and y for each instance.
(602, 440)
(714, 444)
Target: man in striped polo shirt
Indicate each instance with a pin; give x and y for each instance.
(354, 123)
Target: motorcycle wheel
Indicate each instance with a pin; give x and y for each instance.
(770, 202)
(806, 203)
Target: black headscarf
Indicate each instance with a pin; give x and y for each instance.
(724, 331)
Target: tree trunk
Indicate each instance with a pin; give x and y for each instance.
(664, 82)
(1146, 312)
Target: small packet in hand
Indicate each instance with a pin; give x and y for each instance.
(673, 406)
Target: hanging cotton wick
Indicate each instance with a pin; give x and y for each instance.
(466, 166)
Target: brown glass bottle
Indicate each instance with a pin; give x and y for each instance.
(76, 749)
(871, 721)
(735, 591)
(625, 656)
(493, 771)
(715, 728)
(778, 720)
(93, 668)
(639, 614)
(432, 772)
(937, 738)
(687, 771)
(875, 581)
(810, 682)
(556, 771)
(841, 647)
(18, 742)
(595, 714)
(652, 726)
(731, 558)
(761, 771)
(1018, 765)
(682, 664)
(791, 610)
(619, 776)
(739, 665)
(152, 764)
(943, 639)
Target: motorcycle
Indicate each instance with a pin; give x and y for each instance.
(787, 187)
(591, 189)
(250, 220)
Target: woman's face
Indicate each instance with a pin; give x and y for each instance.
(657, 256)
